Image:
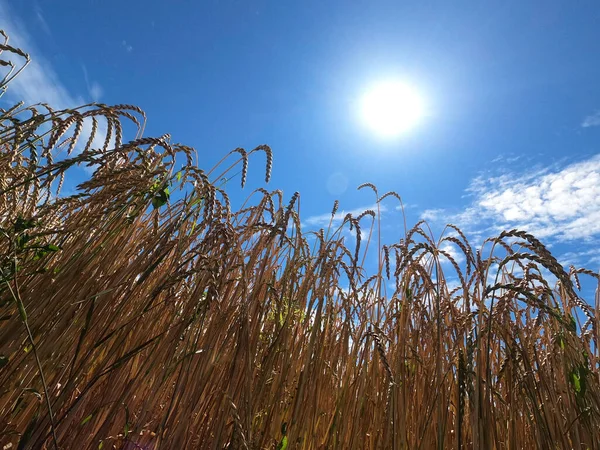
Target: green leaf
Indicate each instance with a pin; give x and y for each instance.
(22, 240)
(586, 359)
(576, 380)
(572, 324)
(161, 198)
(23, 313)
(86, 420)
(43, 251)
(178, 176)
(101, 445)
(126, 431)
(196, 201)
(23, 224)
(284, 440)
(560, 340)
(3, 361)
(283, 443)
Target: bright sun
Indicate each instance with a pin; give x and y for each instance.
(391, 108)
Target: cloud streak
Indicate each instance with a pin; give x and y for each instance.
(39, 82)
(593, 120)
(431, 215)
(42, 22)
(128, 48)
(322, 220)
(94, 89)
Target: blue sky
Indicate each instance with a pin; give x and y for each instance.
(510, 139)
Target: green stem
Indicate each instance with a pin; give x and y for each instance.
(15, 294)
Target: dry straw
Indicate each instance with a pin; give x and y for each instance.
(141, 311)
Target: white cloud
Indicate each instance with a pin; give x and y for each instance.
(580, 258)
(555, 203)
(552, 203)
(453, 283)
(455, 253)
(406, 206)
(322, 220)
(593, 120)
(39, 82)
(42, 22)
(128, 48)
(506, 159)
(95, 91)
(432, 214)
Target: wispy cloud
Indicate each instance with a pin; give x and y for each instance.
(41, 20)
(322, 220)
(508, 159)
(593, 120)
(128, 47)
(95, 91)
(456, 254)
(580, 258)
(432, 215)
(406, 206)
(39, 82)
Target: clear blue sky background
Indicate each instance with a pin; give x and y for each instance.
(511, 138)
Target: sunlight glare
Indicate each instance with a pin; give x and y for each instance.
(391, 108)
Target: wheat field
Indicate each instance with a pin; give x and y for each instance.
(141, 311)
